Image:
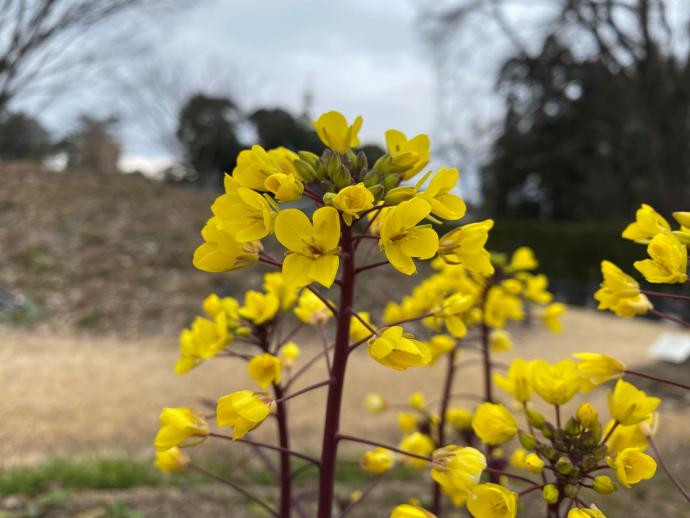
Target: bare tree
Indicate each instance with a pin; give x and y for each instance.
(43, 43)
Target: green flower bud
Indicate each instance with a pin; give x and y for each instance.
(589, 461)
(391, 181)
(383, 164)
(548, 430)
(305, 170)
(527, 440)
(601, 452)
(361, 163)
(535, 418)
(342, 177)
(570, 490)
(400, 194)
(547, 452)
(377, 191)
(587, 415)
(604, 485)
(550, 494)
(328, 198)
(572, 427)
(371, 178)
(564, 465)
(309, 158)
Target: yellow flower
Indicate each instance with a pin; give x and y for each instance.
(311, 309)
(517, 459)
(419, 444)
(513, 286)
(551, 317)
(312, 249)
(443, 203)
(591, 512)
(523, 259)
(648, 223)
(401, 239)
(683, 218)
(517, 383)
(213, 305)
(457, 470)
(451, 312)
(465, 245)
(335, 132)
(499, 340)
(407, 422)
(377, 461)
(500, 306)
(604, 485)
(376, 218)
(494, 424)
(352, 200)
(264, 369)
(632, 466)
(374, 403)
(285, 187)
(256, 165)
(397, 350)
(598, 368)
(274, 283)
(221, 251)
(410, 511)
(417, 400)
(243, 213)
(171, 460)
(202, 341)
(440, 345)
(535, 287)
(620, 293)
(629, 405)
(557, 383)
(259, 307)
(492, 501)
(408, 156)
(459, 418)
(180, 427)
(668, 263)
(624, 437)
(359, 331)
(243, 410)
(289, 353)
(534, 463)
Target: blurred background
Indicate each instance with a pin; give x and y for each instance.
(118, 119)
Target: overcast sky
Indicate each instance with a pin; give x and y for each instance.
(360, 57)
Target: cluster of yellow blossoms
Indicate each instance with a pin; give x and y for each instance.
(470, 295)
(667, 262)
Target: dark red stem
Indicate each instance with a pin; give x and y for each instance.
(284, 441)
(660, 380)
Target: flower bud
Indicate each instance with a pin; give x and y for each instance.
(572, 427)
(534, 464)
(527, 440)
(601, 452)
(371, 178)
(570, 490)
(309, 157)
(548, 430)
(535, 418)
(547, 452)
(564, 465)
(377, 191)
(391, 181)
(374, 403)
(400, 194)
(604, 485)
(589, 461)
(383, 164)
(550, 494)
(587, 415)
(361, 162)
(305, 170)
(341, 177)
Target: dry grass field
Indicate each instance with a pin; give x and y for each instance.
(69, 396)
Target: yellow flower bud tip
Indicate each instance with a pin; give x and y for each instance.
(377, 461)
(648, 224)
(587, 415)
(289, 353)
(180, 427)
(401, 238)
(171, 460)
(629, 405)
(356, 496)
(243, 410)
(375, 403)
(459, 418)
(407, 422)
(523, 259)
(352, 200)
(492, 501)
(590, 512)
(534, 463)
(494, 424)
(668, 261)
(393, 349)
(599, 368)
(417, 401)
(264, 369)
(604, 485)
(335, 132)
(550, 494)
(312, 247)
(632, 466)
